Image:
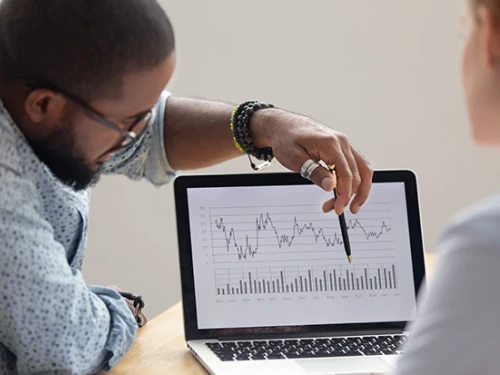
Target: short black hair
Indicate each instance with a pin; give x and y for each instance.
(82, 46)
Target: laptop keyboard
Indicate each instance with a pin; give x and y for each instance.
(308, 348)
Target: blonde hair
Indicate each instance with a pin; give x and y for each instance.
(492, 5)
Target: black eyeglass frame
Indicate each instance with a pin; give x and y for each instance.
(129, 136)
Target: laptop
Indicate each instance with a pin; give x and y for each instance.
(266, 284)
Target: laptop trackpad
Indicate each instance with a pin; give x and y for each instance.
(345, 366)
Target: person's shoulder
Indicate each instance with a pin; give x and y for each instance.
(476, 228)
(10, 155)
(486, 212)
(161, 105)
(16, 184)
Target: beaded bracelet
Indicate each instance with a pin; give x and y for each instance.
(138, 305)
(240, 128)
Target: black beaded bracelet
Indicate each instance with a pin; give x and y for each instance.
(240, 127)
(138, 304)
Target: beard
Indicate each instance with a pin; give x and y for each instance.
(58, 153)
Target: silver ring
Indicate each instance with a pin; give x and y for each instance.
(308, 168)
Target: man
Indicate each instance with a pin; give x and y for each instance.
(82, 93)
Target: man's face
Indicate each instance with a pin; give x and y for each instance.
(77, 145)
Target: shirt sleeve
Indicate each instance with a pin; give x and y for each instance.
(457, 329)
(146, 159)
(49, 318)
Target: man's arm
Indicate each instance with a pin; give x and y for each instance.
(197, 134)
(49, 318)
(457, 330)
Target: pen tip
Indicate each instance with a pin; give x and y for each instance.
(350, 259)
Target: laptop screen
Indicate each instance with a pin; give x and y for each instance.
(267, 256)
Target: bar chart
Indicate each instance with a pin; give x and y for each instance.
(305, 279)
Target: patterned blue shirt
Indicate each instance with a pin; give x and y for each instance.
(51, 321)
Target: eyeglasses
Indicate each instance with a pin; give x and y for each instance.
(136, 130)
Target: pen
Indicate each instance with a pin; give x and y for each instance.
(343, 225)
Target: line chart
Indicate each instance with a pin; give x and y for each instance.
(268, 233)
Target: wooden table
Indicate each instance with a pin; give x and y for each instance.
(160, 347)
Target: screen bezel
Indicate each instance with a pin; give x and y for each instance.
(191, 330)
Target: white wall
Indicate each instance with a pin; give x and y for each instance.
(384, 72)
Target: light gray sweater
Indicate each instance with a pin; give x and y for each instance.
(457, 330)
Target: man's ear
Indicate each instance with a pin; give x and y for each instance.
(489, 34)
(43, 106)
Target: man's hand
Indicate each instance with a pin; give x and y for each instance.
(295, 139)
(201, 125)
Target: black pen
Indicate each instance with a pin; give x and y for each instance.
(343, 225)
